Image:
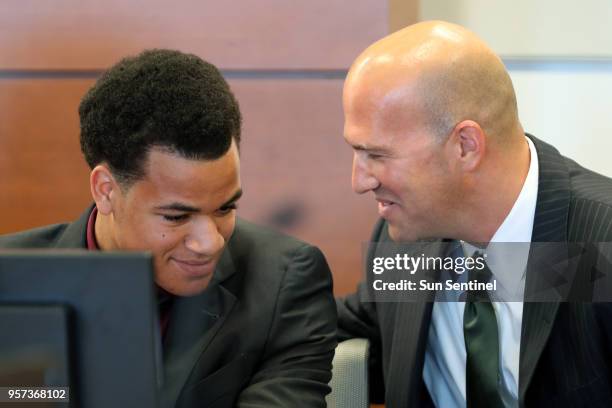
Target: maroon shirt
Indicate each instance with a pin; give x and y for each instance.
(164, 298)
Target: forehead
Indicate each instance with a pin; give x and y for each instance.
(170, 177)
(381, 114)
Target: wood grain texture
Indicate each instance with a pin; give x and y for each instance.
(246, 34)
(42, 175)
(402, 13)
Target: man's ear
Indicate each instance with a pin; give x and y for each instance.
(103, 188)
(467, 144)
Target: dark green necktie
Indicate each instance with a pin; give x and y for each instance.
(482, 346)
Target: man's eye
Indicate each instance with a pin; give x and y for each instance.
(175, 218)
(227, 209)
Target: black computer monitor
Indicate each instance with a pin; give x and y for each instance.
(87, 320)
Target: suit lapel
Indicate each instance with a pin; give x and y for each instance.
(411, 329)
(550, 225)
(193, 324)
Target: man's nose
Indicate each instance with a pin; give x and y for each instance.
(205, 238)
(362, 179)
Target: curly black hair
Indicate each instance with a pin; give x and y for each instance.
(159, 98)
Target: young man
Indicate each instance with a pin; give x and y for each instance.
(431, 114)
(161, 133)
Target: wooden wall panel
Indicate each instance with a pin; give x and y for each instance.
(402, 13)
(43, 178)
(245, 34)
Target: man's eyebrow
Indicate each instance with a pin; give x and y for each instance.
(370, 149)
(178, 207)
(234, 198)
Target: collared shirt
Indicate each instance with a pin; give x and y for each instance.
(445, 356)
(164, 298)
(92, 244)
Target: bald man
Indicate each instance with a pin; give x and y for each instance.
(431, 115)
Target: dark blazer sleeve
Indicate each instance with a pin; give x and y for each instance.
(357, 318)
(296, 364)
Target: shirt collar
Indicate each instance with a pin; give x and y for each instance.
(92, 244)
(518, 224)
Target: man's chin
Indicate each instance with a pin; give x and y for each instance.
(395, 233)
(186, 289)
(399, 234)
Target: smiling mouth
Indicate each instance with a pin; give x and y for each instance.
(385, 207)
(195, 268)
(194, 263)
(385, 203)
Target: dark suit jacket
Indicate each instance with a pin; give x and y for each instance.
(566, 348)
(268, 332)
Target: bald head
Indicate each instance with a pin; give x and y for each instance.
(441, 73)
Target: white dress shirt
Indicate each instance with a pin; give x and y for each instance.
(445, 356)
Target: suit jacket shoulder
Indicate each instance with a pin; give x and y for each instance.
(68, 235)
(256, 240)
(42, 237)
(590, 205)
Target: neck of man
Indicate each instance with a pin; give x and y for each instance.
(102, 230)
(496, 190)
